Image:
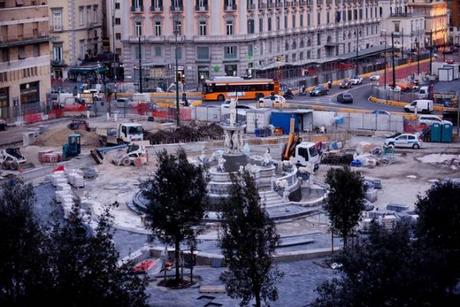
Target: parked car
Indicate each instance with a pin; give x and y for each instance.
(319, 90)
(356, 80)
(421, 105)
(381, 112)
(241, 109)
(431, 119)
(345, 83)
(374, 78)
(345, 98)
(269, 101)
(123, 103)
(405, 140)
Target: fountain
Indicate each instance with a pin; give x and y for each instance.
(282, 190)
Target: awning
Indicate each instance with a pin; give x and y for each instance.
(87, 69)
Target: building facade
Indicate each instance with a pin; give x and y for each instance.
(114, 26)
(436, 20)
(241, 37)
(407, 27)
(76, 33)
(25, 57)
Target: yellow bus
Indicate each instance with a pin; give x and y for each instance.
(222, 88)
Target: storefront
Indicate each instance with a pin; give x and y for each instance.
(4, 103)
(30, 97)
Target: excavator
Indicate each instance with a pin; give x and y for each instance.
(11, 159)
(304, 154)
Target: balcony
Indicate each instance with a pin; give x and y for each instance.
(41, 37)
(177, 8)
(137, 9)
(57, 63)
(251, 6)
(201, 8)
(229, 7)
(156, 9)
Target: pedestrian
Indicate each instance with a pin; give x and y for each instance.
(329, 84)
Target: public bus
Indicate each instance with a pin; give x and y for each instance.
(221, 88)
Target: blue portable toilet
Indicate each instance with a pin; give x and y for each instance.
(446, 133)
(436, 132)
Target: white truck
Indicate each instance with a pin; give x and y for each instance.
(122, 133)
(306, 154)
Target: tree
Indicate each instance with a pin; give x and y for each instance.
(438, 225)
(24, 277)
(177, 197)
(248, 240)
(86, 268)
(345, 201)
(388, 269)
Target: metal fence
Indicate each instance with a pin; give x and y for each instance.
(369, 121)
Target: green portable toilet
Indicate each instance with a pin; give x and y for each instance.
(436, 132)
(446, 133)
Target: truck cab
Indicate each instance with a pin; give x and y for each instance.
(306, 153)
(130, 132)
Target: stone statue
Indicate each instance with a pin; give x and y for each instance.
(232, 110)
(228, 141)
(220, 164)
(267, 157)
(236, 142)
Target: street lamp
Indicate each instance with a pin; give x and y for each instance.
(385, 62)
(393, 59)
(417, 45)
(140, 63)
(357, 50)
(176, 33)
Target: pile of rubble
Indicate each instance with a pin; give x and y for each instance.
(58, 135)
(446, 160)
(191, 133)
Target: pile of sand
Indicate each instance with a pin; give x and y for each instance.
(57, 136)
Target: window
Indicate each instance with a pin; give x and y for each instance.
(229, 27)
(285, 21)
(328, 20)
(269, 24)
(319, 18)
(117, 36)
(396, 26)
(293, 22)
(21, 53)
(178, 27)
(138, 28)
(301, 56)
(81, 15)
(301, 20)
(230, 52)
(157, 51)
(117, 21)
(308, 19)
(318, 38)
(261, 25)
(157, 28)
(251, 28)
(36, 50)
(250, 51)
(203, 28)
(57, 20)
(57, 53)
(278, 23)
(117, 5)
(202, 53)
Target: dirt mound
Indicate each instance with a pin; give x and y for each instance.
(57, 136)
(192, 133)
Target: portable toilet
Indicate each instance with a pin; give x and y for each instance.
(446, 133)
(436, 132)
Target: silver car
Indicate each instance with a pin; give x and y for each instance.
(406, 140)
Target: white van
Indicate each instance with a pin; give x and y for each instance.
(423, 92)
(420, 105)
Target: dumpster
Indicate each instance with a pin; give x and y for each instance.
(436, 132)
(446, 133)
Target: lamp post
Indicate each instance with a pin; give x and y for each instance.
(114, 58)
(357, 51)
(385, 62)
(140, 63)
(431, 53)
(176, 33)
(393, 59)
(417, 45)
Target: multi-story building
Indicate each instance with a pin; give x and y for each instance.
(76, 33)
(406, 26)
(454, 21)
(244, 37)
(436, 19)
(113, 25)
(25, 58)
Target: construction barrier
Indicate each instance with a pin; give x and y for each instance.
(394, 103)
